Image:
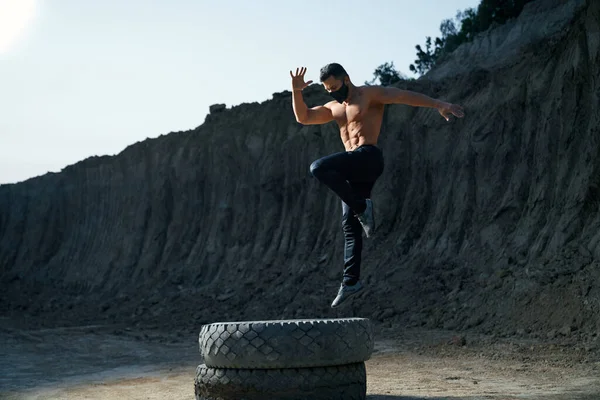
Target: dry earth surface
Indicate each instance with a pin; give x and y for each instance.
(115, 363)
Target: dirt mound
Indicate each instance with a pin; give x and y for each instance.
(488, 223)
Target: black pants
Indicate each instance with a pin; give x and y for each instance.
(351, 175)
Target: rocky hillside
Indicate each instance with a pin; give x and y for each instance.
(490, 222)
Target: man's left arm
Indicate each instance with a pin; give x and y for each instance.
(393, 95)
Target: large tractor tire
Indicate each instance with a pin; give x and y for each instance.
(286, 343)
(345, 382)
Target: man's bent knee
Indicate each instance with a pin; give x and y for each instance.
(316, 168)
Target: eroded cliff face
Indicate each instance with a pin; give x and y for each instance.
(490, 222)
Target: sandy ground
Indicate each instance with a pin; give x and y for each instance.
(113, 362)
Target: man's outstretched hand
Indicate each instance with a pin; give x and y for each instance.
(445, 109)
(298, 79)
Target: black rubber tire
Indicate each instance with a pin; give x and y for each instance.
(344, 382)
(286, 343)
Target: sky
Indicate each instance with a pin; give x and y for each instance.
(84, 78)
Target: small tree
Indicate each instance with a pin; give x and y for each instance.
(426, 59)
(386, 74)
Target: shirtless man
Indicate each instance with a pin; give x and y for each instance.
(358, 111)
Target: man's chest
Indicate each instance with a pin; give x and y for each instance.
(351, 112)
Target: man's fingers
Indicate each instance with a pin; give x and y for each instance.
(308, 83)
(300, 71)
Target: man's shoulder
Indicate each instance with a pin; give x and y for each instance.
(330, 104)
(374, 93)
(372, 89)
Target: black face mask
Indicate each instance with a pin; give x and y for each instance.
(341, 94)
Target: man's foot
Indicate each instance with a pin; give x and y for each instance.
(345, 292)
(367, 218)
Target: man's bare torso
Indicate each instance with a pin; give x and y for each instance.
(359, 119)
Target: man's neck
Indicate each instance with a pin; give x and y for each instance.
(353, 92)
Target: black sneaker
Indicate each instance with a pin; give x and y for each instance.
(367, 219)
(346, 292)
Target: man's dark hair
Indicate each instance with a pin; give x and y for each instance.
(333, 69)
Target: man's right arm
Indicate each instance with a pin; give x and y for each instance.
(309, 116)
